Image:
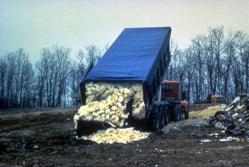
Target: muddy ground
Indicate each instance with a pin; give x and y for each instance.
(45, 137)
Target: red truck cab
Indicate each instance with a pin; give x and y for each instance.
(173, 91)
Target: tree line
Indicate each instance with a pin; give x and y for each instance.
(216, 62)
(47, 83)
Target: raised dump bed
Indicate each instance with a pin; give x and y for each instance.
(126, 81)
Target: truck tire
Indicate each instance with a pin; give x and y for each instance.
(154, 123)
(170, 114)
(176, 115)
(181, 112)
(162, 118)
(167, 115)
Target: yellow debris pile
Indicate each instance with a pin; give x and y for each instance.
(118, 135)
(107, 102)
(202, 114)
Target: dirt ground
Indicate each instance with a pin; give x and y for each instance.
(45, 137)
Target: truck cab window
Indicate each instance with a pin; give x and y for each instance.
(167, 88)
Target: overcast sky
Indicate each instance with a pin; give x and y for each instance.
(34, 24)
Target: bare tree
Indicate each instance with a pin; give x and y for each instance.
(77, 71)
(11, 72)
(229, 56)
(198, 60)
(15, 67)
(175, 68)
(241, 45)
(40, 81)
(210, 61)
(213, 50)
(3, 77)
(189, 73)
(53, 70)
(93, 54)
(63, 56)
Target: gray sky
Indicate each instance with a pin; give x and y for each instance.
(34, 24)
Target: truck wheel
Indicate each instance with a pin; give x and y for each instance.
(176, 115)
(166, 113)
(169, 112)
(157, 125)
(181, 112)
(162, 118)
(154, 123)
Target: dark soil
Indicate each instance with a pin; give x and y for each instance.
(46, 138)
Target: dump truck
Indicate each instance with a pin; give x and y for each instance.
(126, 87)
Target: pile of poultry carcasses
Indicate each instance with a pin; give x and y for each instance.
(234, 118)
(107, 102)
(111, 135)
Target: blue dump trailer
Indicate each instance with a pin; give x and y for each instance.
(138, 55)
